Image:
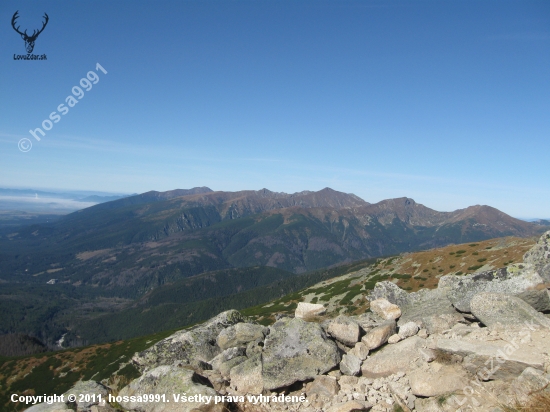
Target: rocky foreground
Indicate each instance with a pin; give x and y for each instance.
(477, 342)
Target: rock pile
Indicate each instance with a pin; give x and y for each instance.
(476, 342)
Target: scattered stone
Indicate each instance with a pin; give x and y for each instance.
(492, 308)
(379, 335)
(394, 339)
(307, 310)
(385, 309)
(345, 330)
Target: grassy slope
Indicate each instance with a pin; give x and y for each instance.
(342, 289)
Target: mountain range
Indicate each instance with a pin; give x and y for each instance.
(104, 257)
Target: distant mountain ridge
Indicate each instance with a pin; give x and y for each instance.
(201, 230)
(107, 256)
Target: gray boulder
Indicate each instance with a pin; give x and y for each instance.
(296, 350)
(360, 350)
(344, 330)
(198, 343)
(246, 378)
(350, 365)
(240, 334)
(393, 358)
(537, 299)
(511, 280)
(530, 381)
(539, 257)
(426, 305)
(226, 367)
(391, 292)
(408, 329)
(169, 381)
(438, 380)
(492, 308)
(491, 361)
(226, 356)
(379, 335)
(323, 385)
(309, 310)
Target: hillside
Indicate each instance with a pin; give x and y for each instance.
(342, 290)
(104, 259)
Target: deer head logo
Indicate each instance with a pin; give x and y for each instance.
(29, 40)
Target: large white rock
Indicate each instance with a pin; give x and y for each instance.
(344, 330)
(385, 309)
(305, 310)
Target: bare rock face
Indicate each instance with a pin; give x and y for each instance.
(307, 310)
(492, 308)
(392, 358)
(539, 257)
(240, 334)
(379, 335)
(511, 280)
(169, 380)
(296, 350)
(492, 361)
(530, 381)
(537, 299)
(196, 344)
(437, 380)
(226, 356)
(344, 330)
(385, 309)
(247, 376)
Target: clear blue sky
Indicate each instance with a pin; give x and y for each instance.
(447, 102)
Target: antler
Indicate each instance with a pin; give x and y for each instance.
(43, 26)
(15, 16)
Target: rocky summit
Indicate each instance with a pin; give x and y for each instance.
(477, 342)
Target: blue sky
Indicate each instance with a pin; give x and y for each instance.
(447, 102)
